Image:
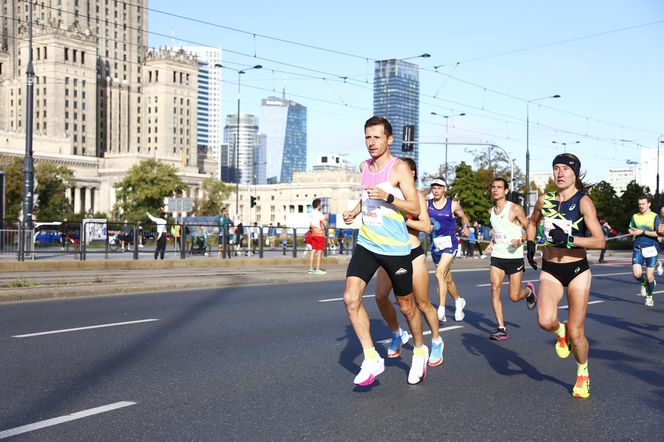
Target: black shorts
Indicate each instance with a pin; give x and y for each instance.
(417, 251)
(364, 263)
(509, 266)
(567, 271)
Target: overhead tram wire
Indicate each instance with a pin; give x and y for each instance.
(344, 77)
(556, 43)
(645, 131)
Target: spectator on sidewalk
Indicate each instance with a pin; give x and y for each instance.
(161, 234)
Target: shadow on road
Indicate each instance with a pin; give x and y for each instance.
(502, 359)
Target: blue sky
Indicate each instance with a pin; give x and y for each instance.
(488, 58)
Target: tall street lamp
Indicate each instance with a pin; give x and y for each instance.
(28, 162)
(527, 194)
(447, 120)
(657, 199)
(236, 173)
(565, 144)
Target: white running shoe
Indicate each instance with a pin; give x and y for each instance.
(458, 312)
(644, 291)
(659, 268)
(441, 314)
(369, 370)
(649, 301)
(418, 368)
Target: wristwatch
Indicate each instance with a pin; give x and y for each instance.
(390, 198)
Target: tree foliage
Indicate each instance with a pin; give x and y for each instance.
(606, 202)
(52, 183)
(14, 188)
(475, 199)
(215, 193)
(144, 188)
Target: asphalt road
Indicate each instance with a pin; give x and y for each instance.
(277, 363)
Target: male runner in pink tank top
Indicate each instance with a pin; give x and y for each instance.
(388, 188)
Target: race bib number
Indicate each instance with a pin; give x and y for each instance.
(500, 237)
(649, 252)
(551, 223)
(372, 217)
(442, 242)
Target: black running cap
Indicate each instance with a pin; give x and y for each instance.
(565, 159)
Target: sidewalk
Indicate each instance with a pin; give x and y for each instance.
(43, 279)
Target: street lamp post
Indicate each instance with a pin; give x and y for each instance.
(565, 144)
(657, 198)
(447, 120)
(527, 194)
(28, 161)
(236, 173)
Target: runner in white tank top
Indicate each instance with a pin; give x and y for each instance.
(508, 221)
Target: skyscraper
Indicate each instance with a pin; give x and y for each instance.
(397, 98)
(241, 167)
(284, 123)
(209, 125)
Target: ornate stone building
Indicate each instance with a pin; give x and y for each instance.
(102, 100)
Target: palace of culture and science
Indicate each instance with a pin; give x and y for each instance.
(102, 100)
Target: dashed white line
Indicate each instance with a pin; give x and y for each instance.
(62, 419)
(90, 327)
(590, 302)
(451, 327)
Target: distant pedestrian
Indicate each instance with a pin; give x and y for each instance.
(239, 237)
(161, 234)
(283, 237)
(317, 222)
(606, 230)
(224, 222)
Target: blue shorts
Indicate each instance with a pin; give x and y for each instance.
(436, 254)
(639, 259)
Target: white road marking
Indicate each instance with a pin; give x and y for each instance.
(341, 299)
(451, 327)
(62, 419)
(536, 280)
(590, 302)
(67, 330)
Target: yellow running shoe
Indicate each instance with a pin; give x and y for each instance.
(563, 345)
(582, 387)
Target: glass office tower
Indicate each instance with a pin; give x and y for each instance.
(397, 98)
(284, 123)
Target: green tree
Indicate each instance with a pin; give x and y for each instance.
(606, 202)
(144, 188)
(52, 183)
(628, 205)
(496, 164)
(216, 192)
(14, 188)
(550, 186)
(475, 199)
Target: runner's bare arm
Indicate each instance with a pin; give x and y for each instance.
(350, 215)
(596, 239)
(519, 215)
(423, 222)
(401, 177)
(458, 211)
(531, 230)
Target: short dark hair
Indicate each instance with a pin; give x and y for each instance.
(379, 121)
(316, 203)
(643, 196)
(504, 181)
